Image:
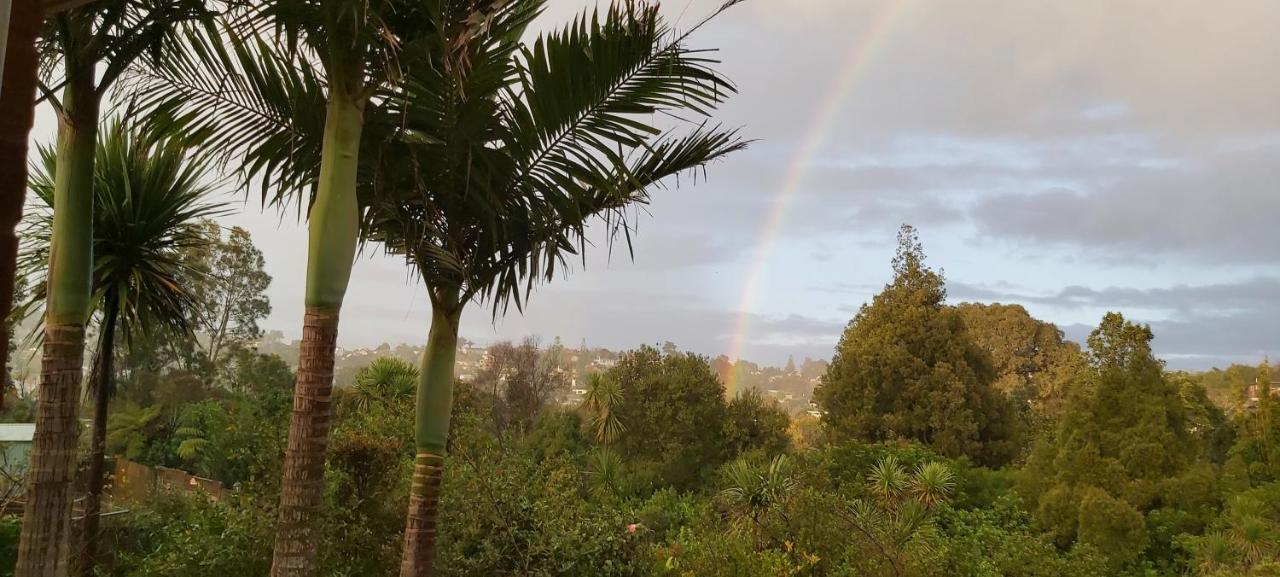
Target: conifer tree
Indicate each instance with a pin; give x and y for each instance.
(906, 368)
(1119, 451)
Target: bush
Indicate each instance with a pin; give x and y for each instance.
(1000, 542)
(10, 530)
(757, 424)
(506, 513)
(183, 535)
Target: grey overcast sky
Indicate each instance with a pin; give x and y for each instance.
(1074, 157)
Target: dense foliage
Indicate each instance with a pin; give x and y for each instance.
(907, 368)
(1108, 465)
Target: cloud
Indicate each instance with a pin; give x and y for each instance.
(1218, 298)
(1130, 134)
(1221, 212)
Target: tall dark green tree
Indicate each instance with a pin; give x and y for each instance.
(907, 368)
(148, 199)
(1118, 449)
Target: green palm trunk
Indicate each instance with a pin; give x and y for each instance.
(333, 230)
(431, 417)
(44, 547)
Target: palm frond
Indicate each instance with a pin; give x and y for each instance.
(584, 92)
(239, 94)
(506, 154)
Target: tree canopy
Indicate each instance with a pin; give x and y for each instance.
(1121, 450)
(1033, 361)
(672, 407)
(906, 367)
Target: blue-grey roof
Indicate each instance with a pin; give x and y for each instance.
(17, 432)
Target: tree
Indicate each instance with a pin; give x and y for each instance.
(756, 423)
(522, 380)
(1119, 450)
(1034, 363)
(260, 99)
(92, 45)
(229, 290)
(674, 411)
(250, 372)
(753, 491)
(1242, 540)
(19, 61)
(148, 199)
(602, 402)
(507, 151)
(386, 380)
(907, 368)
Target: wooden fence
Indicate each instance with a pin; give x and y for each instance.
(137, 482)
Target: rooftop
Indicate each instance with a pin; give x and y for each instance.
(11, 432)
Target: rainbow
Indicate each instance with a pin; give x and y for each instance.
(861, 53)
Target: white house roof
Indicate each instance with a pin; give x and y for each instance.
(17, 432)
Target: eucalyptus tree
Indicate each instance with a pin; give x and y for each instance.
(148, 201)
(508, 152)
(256, 88)
(88, 46)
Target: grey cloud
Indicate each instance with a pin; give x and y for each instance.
(1221, 213)
(919, 212)
(1132, 134)
(1209, 299)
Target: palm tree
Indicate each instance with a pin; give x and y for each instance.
(275, 66)
(383, 380)
(148, 201)
(601, 402)
(899, 517)
(753, 491)
(507, 152)
(93, 44)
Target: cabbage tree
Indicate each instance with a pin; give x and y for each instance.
(148, 200)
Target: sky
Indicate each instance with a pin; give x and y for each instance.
(1073, 157)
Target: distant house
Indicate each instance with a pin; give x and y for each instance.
(15, 440)
(1254, 393)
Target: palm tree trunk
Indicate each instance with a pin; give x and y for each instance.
(333, 231)
(44, 548)
(17, 113)
(97, 451)
(434, 407)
